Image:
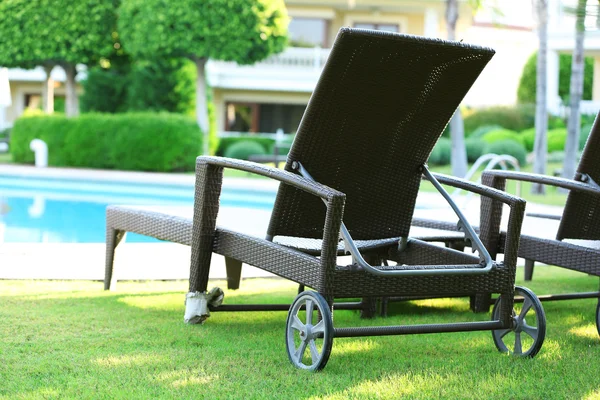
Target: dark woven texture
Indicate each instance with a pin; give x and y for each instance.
(381, 104)
(581, 217)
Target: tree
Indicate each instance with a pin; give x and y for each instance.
(574, 121)
(57, 32)
(457, 128)
(540, 147)
(244, 31)
(17, 50)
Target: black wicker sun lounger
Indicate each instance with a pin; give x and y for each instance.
(381, 104)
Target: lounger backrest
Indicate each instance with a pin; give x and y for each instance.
(380, 105)
(581, 216)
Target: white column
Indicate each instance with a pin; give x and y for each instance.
(552, 97)
(432, 23)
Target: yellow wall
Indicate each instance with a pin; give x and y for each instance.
(18, 90)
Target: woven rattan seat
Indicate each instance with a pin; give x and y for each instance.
(353, 171)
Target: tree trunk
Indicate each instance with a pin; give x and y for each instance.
(457, 128)
(48, 90)
(540, 148)
(71, 99)
(575, 95)
(201, 106)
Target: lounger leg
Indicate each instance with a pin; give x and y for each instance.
(301, 288)
(481, 302)
(529, 264)
(113, 238)
(234, 272)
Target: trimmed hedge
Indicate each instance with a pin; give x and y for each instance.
(510, 147)
(483, 129)
(475, 149)
(244, 148)
(133, 141)
(501, 135)
(441, 153)
(528, 138)
(513, 118)
(557, 139)
(226, 142)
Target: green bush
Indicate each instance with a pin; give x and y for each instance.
(527, 85)
(244, 149)
(483, 129)
(556, 122)
(133, 141)
(557, 139)
(475, 149)
(158, 85)
(501, 135)
(528, 138)
(441, 153)
(226, 142)
(510, 147)
(513, 118)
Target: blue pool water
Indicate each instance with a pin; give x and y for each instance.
(35, 210)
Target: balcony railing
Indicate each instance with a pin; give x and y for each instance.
(295, 69)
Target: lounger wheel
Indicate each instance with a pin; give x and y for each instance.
(598, 317)
(309, 331)
(526, 335)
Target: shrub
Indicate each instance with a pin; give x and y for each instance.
(501, 135)
(441, 153)
(527, 84)
(158, 85)
(528, 138)
(133, 141)
(556, 122)
(475, 149)
(513, 118)
(104, 91)
(510, 147)
(557, 139)
(483, 129)
(226, 142)
(244, 148)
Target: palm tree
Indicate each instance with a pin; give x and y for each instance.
(540, 147)
(575, 94)
(457, 127)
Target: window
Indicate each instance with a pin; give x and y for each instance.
(308, 32)
(263, 117)
(378, 27)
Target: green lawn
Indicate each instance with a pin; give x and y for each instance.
(73, 340)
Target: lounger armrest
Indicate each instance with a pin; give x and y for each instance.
(490, 192)
(209, 178)
(314, 188)
(491, 215)
(499, 176)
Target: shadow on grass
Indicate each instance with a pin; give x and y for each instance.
(115, 344)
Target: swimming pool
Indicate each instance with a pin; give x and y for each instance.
(62, 210)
